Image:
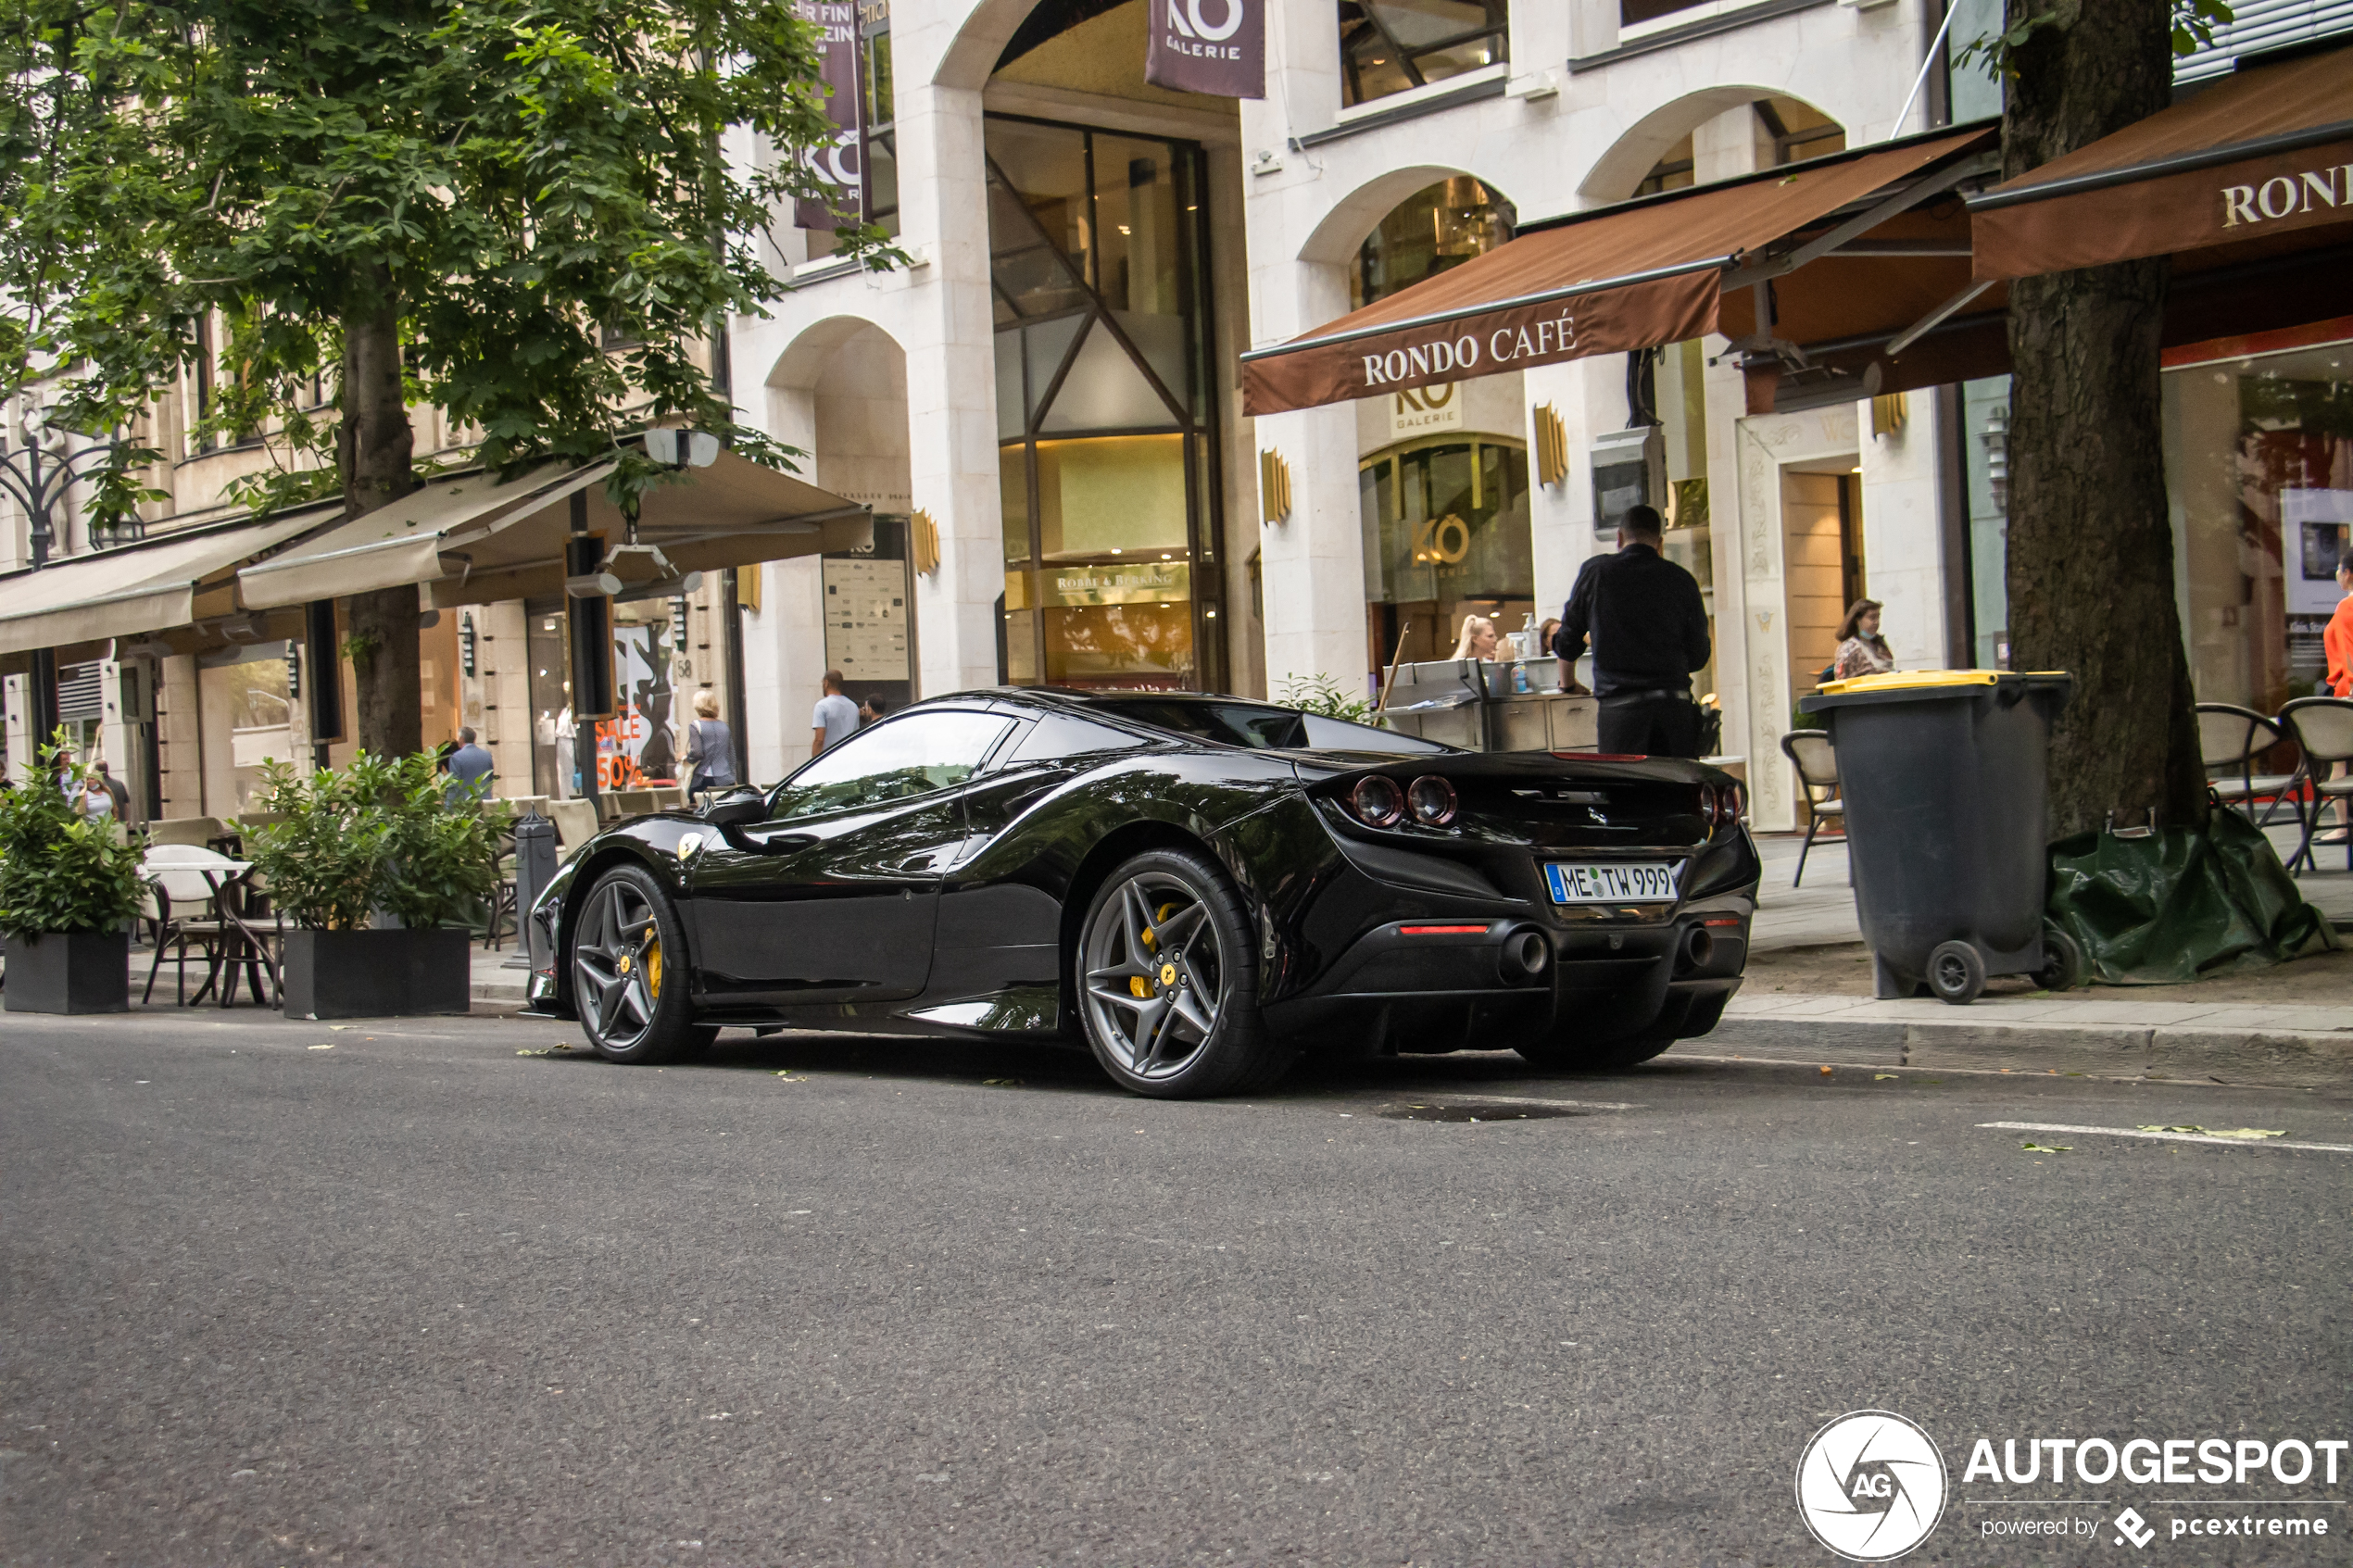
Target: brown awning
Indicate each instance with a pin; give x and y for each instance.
(1658, 270)
(2263, 159)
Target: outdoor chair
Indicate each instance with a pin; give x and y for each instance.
(1815, 759)
(2321, 728)
(634, 802)
(575, 825)
(197, 831)
(179, 909)
(2230, 740)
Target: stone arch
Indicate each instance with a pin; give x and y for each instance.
(972, 52)
(1336, 237)
(1615, 175)
(838, 391)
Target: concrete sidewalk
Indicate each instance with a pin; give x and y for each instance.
(2107, 1031)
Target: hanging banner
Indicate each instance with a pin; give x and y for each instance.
(836, 163)
(1214, 47)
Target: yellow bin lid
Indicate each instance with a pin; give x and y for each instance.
(1911, 679)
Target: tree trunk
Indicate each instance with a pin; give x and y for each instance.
(2091, 542)
(377, 446)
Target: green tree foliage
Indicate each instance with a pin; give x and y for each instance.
(379, 834)
(1320, 693)
(518, 183)
(529, 214)
(60, 871)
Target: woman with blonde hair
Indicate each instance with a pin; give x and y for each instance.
(1478, 640)
(711, 747)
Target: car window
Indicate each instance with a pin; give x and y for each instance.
(1263, 725)
(1253, 724)
(1338, 734)
(1057, 736)
(908, 756)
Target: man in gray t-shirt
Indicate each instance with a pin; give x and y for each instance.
(835, 718)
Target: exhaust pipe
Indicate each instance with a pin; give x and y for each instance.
(1523, 955)
(1699, 948)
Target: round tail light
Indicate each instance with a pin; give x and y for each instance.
(1432, 800)
(1377, 801)
(1729, 804)
(1710, 811)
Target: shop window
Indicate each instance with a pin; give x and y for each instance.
(2258, 456)
(1446, 535)
(1106, 471)
(1783, 131)
(1429, 232)
(1396, 45)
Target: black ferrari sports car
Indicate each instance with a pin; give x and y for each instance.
(1199, 886)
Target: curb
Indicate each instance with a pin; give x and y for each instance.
(2270, 1057)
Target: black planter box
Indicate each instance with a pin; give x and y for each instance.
(69, 972)
(378, 974)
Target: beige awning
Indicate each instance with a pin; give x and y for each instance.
(149, 587)
(475, 540)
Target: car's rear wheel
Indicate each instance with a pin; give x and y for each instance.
(1168, 981)
(628, 980)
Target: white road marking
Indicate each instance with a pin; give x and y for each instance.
(1526, 1099)
(2165, 1137)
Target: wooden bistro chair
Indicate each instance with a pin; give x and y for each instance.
(2230, 740)
(1815, 759)
(2321, 728)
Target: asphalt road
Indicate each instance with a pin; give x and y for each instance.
(422, 1300)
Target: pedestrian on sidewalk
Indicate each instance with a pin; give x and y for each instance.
(1861, 651)
(835, 717)
(711, 747)
(469, 767)
(1648, 629)
(2337, 641)
(91, 800)
(115, 787)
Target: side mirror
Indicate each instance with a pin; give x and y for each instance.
(737, 808)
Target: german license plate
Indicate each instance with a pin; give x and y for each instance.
(1588, 881)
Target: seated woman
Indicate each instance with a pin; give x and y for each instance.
(1477, 641)
(1861, 651)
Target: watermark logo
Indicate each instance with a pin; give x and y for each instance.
(1871, 1485)
(2131, 1526)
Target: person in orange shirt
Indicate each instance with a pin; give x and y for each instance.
(2337, 642)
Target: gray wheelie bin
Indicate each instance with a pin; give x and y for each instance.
(1943, 776)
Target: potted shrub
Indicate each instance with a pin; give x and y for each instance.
(69, 891)
(380, 877)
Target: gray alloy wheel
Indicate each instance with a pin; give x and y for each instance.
(627, 972)
(1168, 981)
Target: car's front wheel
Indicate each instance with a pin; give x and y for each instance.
(628, 977)
(1168, 981)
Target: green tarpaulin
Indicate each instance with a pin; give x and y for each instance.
(2180, 903)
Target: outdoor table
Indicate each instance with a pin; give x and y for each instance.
(239, 944)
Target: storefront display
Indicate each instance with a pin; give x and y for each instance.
(2258, 454)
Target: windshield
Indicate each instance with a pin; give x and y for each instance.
(1262, 726)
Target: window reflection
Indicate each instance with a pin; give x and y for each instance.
(1446, 534)
(1396, 45)
(1096, 245)
(1429, 232)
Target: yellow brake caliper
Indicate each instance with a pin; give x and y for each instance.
(653, 969)
(1151, 944)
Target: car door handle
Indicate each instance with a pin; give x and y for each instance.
(766, 843)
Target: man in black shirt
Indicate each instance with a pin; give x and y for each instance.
(1649, 632)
